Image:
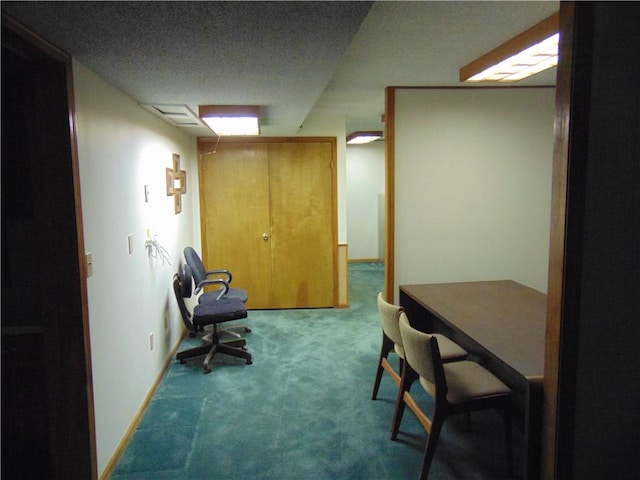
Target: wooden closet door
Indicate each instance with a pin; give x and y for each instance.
(234, 193)
(268, 215)
(301, 180)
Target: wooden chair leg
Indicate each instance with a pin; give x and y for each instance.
(430, 447)
(387, 346)
(376, 383)
(408, 377)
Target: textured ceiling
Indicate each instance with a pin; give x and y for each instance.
(294, 59)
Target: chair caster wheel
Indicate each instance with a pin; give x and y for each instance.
(182, 361)
(249, 361)
(247, 330)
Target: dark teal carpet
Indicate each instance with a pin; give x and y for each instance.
(302, 410)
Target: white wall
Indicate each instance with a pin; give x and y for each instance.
(473, 185)
(121, 148)
(365, 185)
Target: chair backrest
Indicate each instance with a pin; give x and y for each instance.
(182, 283)
(195, 263)
(390, 314)
(423, 355)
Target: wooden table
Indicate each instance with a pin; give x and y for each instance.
(502, 325)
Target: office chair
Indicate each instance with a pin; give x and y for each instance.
(201, 276)
(223, 310)
(392, 342)
(457, 387)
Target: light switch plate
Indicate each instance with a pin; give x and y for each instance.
(89, 260)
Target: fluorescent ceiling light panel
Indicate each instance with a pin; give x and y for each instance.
(233, 125)
(530, 61)
(358, 138)
(231, 119)
(529, 53)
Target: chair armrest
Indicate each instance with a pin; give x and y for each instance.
(221, 272)
(213, 281)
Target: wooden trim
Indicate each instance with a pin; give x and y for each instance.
(556, 248)
(571, 151)
(135, 421)
(83, 267)
(203, 206)
(390, 192)
(535, 34)
(228, 110)
(343, 275)
(366, 260)
(259, 139)
(504, 86)
(40, 43)
(334, 206)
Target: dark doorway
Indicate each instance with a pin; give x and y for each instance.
(47, 412)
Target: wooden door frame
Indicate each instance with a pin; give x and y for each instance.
(556, 294)
(70, 402)
(581, 310)
(208, 144)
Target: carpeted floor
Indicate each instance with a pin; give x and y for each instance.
(302, 410)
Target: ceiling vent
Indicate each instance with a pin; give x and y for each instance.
(177, 115)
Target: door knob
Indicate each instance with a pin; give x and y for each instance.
(265, 237)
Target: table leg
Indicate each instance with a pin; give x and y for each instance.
(532, 430)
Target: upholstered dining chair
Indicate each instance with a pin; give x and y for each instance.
(456, 387)
(392, 343)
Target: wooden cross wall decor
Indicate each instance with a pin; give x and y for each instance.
(176, 183)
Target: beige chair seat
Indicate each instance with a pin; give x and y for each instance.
(468, 381)
(450, 351)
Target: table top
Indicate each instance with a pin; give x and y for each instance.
(506, 318)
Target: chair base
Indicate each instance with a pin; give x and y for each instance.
(234, 348)
(233, 330)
